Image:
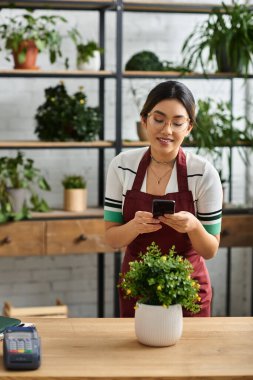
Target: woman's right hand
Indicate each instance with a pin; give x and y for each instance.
(145, 223)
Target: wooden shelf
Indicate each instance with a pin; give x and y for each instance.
(167, 6)
(54, 144)
(56, 73)
(90, 213)
(59, 4)
(177, 74)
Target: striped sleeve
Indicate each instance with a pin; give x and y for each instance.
(113, 194)
(209, 200)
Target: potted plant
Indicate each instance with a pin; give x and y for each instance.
(19, 179)
(88, 56)
(225, 37)
(65, 117)
(75, 193)
(25, 35)
(162, 285)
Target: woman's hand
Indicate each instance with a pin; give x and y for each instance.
(182, 221)
(145, 223)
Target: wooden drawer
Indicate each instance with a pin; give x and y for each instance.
(237, 231)
(22, 239)
(75, 236)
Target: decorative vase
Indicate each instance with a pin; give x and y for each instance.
(158, 326)
(17, 198)
(75, 200)
(94, 63)
(141, 131)
(31, 52)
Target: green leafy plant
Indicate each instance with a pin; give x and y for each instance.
(19, 173)
(86, 51)
(149, 61)
(64, 117)
(26, 27)
(226, 37)
(159, 279)
(216, 126)
(74, 182)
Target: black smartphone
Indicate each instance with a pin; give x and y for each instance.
(163, 206)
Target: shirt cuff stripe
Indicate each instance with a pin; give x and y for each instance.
(112, 216)
(213, 229)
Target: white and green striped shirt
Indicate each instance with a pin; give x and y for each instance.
(203, 182)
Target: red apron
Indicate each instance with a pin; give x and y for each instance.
(136, 200)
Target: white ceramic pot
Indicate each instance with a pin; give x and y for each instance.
(158, 326)
(94, 63)
(17, 198)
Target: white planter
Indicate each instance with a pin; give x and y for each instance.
(94, 63)
(17, 198)
(158, 326)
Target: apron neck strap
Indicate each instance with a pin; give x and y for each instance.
(181, 171)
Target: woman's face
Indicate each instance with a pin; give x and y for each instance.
(167, 125)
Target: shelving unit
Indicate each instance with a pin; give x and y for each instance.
(119, 7)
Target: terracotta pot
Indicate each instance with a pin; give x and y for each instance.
(31, 56)
(75, 200)
(141, 131)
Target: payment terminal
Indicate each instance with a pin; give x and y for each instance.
(21, 347)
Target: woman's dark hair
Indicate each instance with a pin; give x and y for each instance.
(170, 90)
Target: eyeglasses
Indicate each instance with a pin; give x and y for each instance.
(177, 123)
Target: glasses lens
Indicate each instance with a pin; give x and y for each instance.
(159, 121)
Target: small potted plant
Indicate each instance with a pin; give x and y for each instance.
(65, 117)
(162, 285)
(75, 193)
(88, 56)
(226, 37)
(25, 35)
(19, 179)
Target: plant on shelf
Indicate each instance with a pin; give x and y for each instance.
(161, 284)
(26, 34)
(149, 61)
(216, 126)
(225, 37)
(64, 117)
(17, 174)
(75, 193)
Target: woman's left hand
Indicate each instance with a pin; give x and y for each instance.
(182, 221)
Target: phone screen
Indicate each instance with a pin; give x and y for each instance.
(162, 206)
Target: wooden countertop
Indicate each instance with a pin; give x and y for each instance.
(83, 348)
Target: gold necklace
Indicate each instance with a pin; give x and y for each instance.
(159, 178)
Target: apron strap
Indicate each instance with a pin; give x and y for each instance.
(181, 171)
(141, 171)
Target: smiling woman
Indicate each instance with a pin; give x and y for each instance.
(164, 171)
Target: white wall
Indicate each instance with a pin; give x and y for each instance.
(38, 281)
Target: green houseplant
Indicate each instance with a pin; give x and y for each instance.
(148, 61)
(26, 32)
(88, 56)
(64, 117)
(75, 193)
(225, 37)
(20, 173)
(162, 285)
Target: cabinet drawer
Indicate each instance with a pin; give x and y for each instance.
(75, 236)
(22, 239)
